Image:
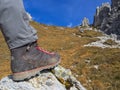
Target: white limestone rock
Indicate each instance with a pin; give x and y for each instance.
(47, 80)
(85, 22)
(104, 38)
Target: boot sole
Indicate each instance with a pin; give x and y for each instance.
(31, 73)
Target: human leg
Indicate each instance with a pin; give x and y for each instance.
(14, 23)
(27, 59)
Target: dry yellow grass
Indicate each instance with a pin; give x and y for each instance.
(81, 60)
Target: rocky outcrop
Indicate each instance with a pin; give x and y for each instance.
(85, 25)
(46, 81)
(105, 41)
(85, 22)
(58, 79)
(111, 23)
(102, 12)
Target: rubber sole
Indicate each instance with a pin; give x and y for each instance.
(31, 73)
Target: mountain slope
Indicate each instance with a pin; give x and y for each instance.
(95, 67)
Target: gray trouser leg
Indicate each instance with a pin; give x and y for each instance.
(14, 24)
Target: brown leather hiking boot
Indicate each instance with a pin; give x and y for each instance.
(29, 60)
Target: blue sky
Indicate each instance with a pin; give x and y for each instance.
(62, 12)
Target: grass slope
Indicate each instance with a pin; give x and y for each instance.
(95, 68)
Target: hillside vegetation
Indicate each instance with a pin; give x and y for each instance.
(96, 68)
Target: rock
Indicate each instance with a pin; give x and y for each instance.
(45, 81)
(66, 77)
(115, 4)
(73, 88)
(103, 39)
(110, 23)
(85, 22)
(85, 25)
(102, 12)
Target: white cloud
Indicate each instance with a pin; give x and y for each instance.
(70, 25)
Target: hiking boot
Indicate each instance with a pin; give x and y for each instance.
(29, 60)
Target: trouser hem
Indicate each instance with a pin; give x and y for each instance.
(22, 43)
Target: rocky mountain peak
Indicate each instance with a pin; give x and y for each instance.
(101, 12)
(107, 18)
(115, 3)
